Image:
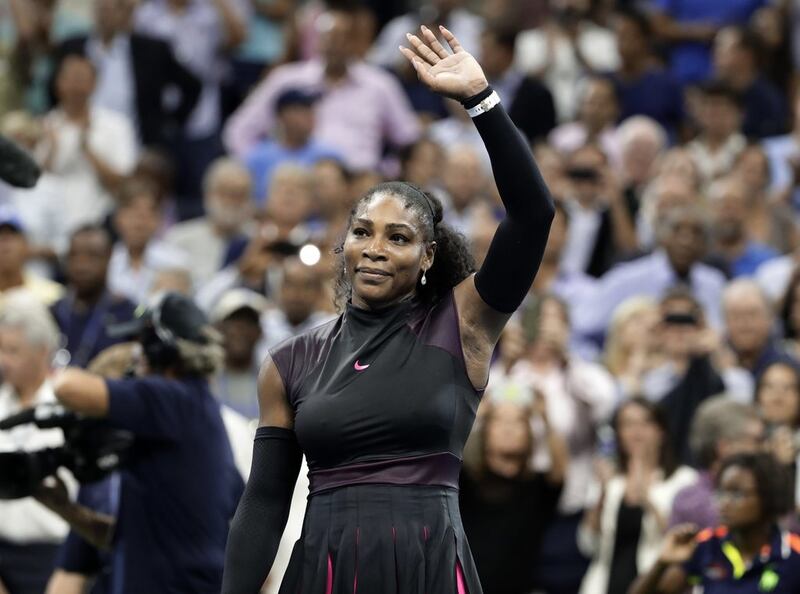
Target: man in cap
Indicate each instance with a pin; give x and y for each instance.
(14, 251)
(166, 537)
(237, 316)
(290, 143)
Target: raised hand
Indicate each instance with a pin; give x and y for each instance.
(456, 75)
(679, 544)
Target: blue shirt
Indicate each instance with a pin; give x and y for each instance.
(655, 94)
(179, 490)
(691, 62)
(267, 155)
(86, 331)
(718, 566)
(754, 255)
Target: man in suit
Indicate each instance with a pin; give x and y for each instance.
(133, 73)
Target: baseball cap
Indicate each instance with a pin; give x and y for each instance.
(236, 299)
(295, 97)
(172, 315)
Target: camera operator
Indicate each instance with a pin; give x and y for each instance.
(30, 534)
(180, 486)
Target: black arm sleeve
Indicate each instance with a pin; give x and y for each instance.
(260, 519)
(518, 244)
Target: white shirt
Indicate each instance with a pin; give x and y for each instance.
(197, 237)
(26, 521)
(713, 165)
(774, 276)
(584, 224)
(115, 87)
(82, 198)
(544, 51)
(276, 328)
(136, 283)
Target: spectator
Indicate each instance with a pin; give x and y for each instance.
(506, 506)
(642, 142)
(597, 117)
(790, 316)
(291, 199)
(200, 34)
(778, 400)
(528, 101)
(86, 150)
(750, 323)
(721, 427)
(218, 238)
(683, 235)
(580, 396)
(465, 25)
(290, 143)
(237, 316)
(768, 220)
(138, 254)
(623, 531)
(133, 72)
(747, 553)
(299, 305)
(601, 228)
(630, 349)
(29, 533)
(737, 62)
(732, 241)
(672, 188)
(695, 366)
(86, 313)
(464, 184)
(13, 253)
(422, 163)
(720, 141)
(771, 26)
(784, 159)
(643, 86)
(689, 28)
(565, 48)
(383, 117)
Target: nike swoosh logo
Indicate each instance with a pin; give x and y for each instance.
(360, 367)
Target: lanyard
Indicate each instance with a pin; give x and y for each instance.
(91, 331)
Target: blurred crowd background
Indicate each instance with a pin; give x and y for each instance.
(215, 147)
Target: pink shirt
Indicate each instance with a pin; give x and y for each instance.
(357, 116)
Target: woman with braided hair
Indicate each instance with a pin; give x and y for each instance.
(382, 399)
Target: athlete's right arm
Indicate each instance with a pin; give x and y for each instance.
(261, 517)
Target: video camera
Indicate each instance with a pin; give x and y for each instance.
(91, 450)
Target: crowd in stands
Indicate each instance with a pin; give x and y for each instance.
(646, 386)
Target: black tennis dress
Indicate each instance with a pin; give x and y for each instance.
(383, 407)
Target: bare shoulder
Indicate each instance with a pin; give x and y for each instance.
(274, 407)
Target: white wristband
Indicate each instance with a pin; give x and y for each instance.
(484, 105)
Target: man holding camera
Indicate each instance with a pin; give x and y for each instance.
(180, 486)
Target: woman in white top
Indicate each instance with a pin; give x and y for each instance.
(623, 532)
(86, 151)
